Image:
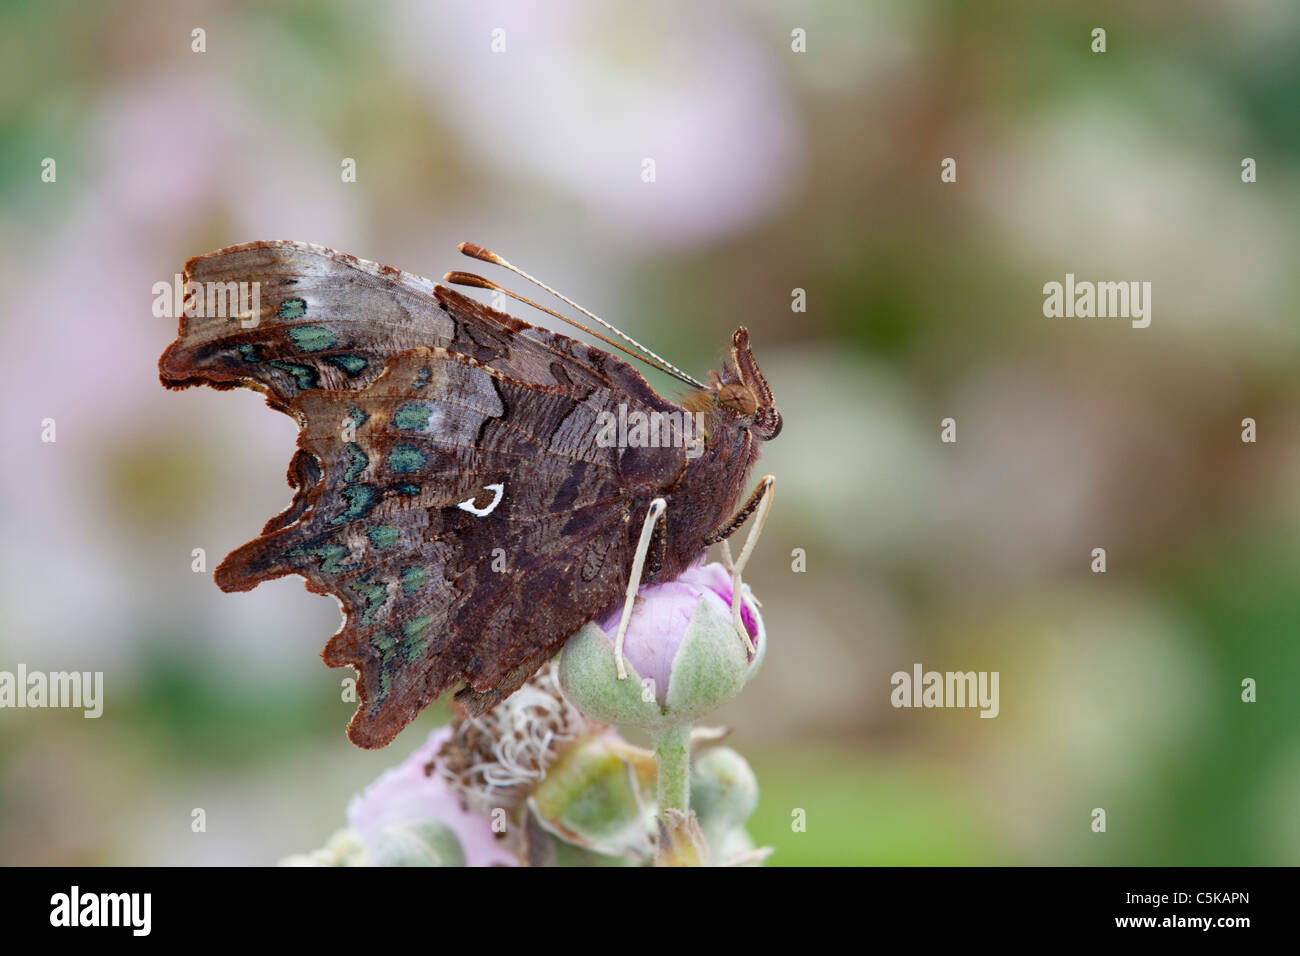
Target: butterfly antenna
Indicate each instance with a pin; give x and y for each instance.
(486, 255)
(478, 282)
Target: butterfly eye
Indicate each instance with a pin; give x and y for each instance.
(738, 399)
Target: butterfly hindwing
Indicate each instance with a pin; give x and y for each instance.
(466, 522)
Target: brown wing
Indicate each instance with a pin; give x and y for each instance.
(414, 400)
(329, 320)
(468, 524)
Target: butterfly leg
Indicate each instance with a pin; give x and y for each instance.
(760, 500)
(656, 509)
(730, 566)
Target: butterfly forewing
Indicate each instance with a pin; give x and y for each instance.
(328, 320)
(324, 320)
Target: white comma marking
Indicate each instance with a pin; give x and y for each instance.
(498, 490)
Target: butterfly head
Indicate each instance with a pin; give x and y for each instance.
(742, 392)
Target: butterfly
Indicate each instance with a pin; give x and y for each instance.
(466, 484)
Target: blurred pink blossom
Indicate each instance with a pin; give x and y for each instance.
(406, 794)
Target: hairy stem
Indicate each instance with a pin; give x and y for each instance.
(673, 754)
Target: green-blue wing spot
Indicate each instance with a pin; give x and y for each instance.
(405, 459)
(413, 579)
(353, 365)
(293, 308)
(329, 555)
(413, 639)
(304, 375)
(412, 417)
(359, 461)
(361, 499)
(312, 338)
(374, 594)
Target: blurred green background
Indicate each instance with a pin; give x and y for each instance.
(775, 170)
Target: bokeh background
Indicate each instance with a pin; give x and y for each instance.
(775, 170)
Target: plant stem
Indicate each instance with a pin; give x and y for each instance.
(673, 753)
